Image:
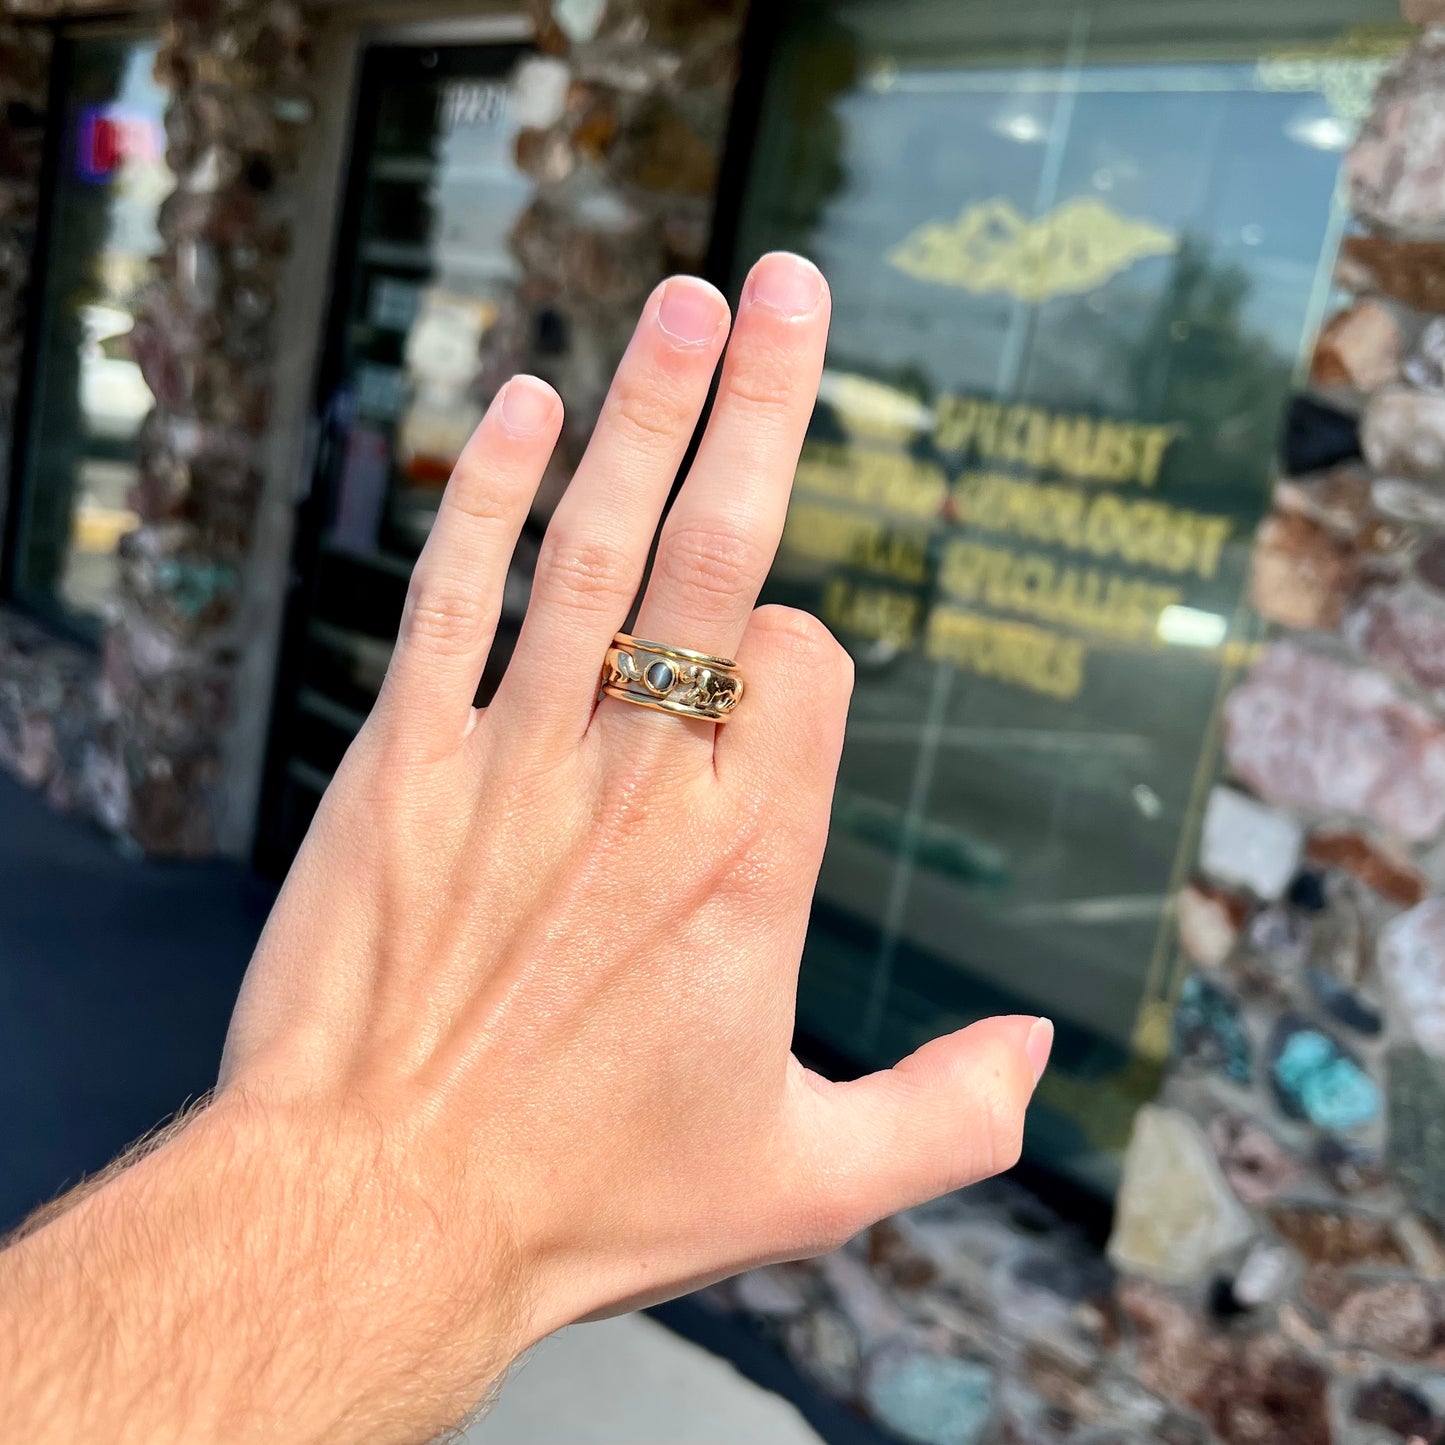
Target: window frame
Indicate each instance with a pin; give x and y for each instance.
(48, 613)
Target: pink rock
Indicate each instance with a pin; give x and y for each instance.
(1404, 433)
(1403, 629)
(1396, 170)
(1309, 733)
(1412, 961)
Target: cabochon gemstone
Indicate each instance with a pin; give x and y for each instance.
(661, 677)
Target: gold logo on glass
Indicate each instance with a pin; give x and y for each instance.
(993, 247)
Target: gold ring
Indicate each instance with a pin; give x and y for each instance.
(671, 679)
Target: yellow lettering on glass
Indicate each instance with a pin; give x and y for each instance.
(993, 247)
(1016, 652)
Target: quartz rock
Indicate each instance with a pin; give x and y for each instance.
(1209, 1031)
(1255, 1164)
(825, 1349)
(1175, 1214)
(1403, 629)
(1359, 347)
(769, 1292)
(1403, 433)
(1315, 1078)
(1264, 1276)
(1210, 920)
(1338, 500)
(1417, 1128)
(1396, 169)
(1376, 862)
(865, 1304)
(1301, 575)
(1348, 1168)
(1416, 503)
(1412, 962)
(1426, 366)
(539, 92)
(1396, 1319)
(1311, 733)
(929, 1399)
(1248, 844)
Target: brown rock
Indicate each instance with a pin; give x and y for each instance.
(1359, 347)
(1425, 12)
(1301, 575)
(1309, 733)
(1403, 433)
(1398, 1319)
(1409, 271)
(1329, 1237)
(1257, 1167)
(1267, 1394)
(1338, 500)
(1397, 1408)
(1376, 862)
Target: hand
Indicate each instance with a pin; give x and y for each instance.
(515, 1045)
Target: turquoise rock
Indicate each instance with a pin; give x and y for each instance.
(1208, 1030)
(930, 1399)
(1315, 1078)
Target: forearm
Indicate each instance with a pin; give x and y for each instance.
(229, 1286)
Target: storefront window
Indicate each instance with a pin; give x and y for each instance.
(422, 334)
(1079, 253)
(90, 399)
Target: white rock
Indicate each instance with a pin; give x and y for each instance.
(1412, 962)
(1249, 844)
(1176, 1215)
(539, 91)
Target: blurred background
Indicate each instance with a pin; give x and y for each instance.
(1126, 490)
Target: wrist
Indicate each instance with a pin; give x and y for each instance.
(277, 1274)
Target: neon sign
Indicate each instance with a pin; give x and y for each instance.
(111, 139)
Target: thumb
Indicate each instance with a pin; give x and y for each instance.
(948, 1116)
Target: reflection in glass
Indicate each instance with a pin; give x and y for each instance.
(1075, 273)
(90, 398)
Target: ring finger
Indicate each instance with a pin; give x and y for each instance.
(722, 535)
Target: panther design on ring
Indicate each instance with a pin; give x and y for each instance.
(671, 679)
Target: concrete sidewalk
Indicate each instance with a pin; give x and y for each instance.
(632, 1382)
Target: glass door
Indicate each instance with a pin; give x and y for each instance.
(422, 334)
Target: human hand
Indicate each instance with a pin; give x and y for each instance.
(516, 1043)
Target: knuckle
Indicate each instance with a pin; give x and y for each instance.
(767, 382)
(576, 568)
(1002, 1145)
(718, 558)
(479, 499)
(807, 641)
(445, 616)
(645, 414)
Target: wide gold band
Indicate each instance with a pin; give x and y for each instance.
(673, 680)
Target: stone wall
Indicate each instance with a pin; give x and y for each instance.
(624, 110)
(1277, 1270)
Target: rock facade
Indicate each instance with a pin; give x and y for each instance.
(625, 107)
(1276, 1274)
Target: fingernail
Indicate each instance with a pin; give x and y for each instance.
(787, 283)
(1039, 1045)
(527, 405)
(690, 311)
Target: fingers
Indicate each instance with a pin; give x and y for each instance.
(786, 737)
(723, 532)
(455, 598)
(948, 1116)
(597, 546)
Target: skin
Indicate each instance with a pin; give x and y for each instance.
(514, 1049)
